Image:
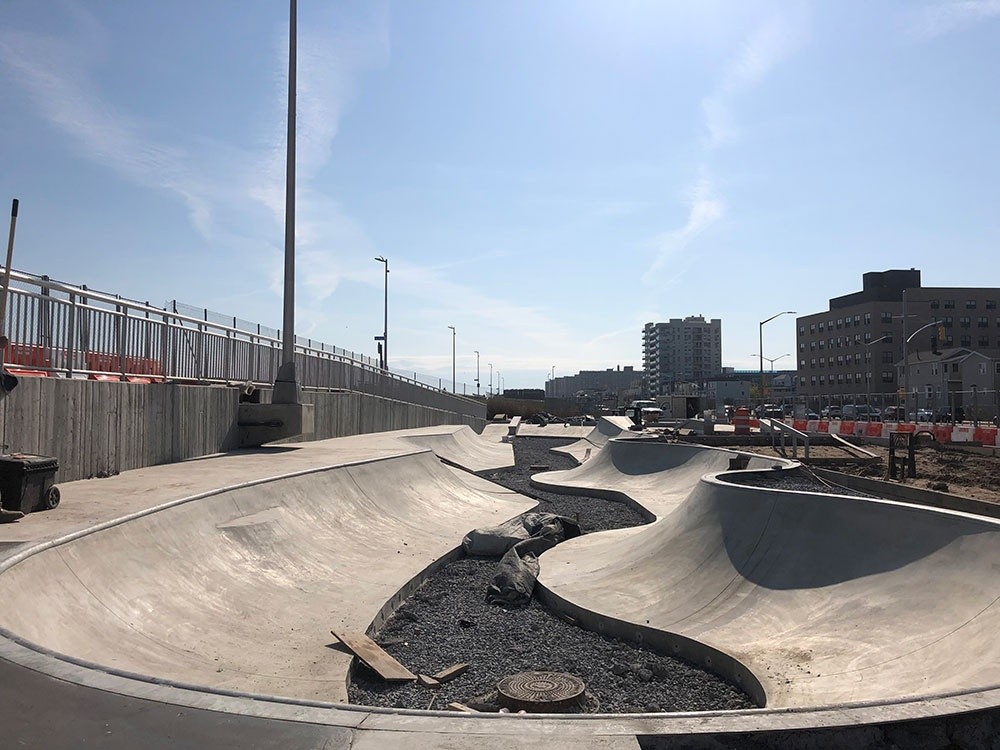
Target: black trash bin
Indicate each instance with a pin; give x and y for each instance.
(27, 482)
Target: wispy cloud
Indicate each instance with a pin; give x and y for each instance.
(768, 45)
(944, 18)
(705, 208)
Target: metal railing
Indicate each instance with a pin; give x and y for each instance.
(63, 330)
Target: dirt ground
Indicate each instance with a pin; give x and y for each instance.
(945, 469)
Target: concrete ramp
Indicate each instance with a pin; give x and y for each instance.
(655, 474)
(460, 446)
(605, 429)
(237, 589)
(826, 599)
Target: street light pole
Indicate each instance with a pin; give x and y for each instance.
(477, 373)
(286, 385)
(777, 315)
(491, 379)
(868, 376)
(452, 358)
(772, 361)
(906, 366)
(385, 318)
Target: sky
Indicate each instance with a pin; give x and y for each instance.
(545, 177)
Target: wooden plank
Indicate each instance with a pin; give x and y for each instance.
(375, 657)
(455, 670)
(428, 682)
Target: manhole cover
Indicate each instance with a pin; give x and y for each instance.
(540, 692)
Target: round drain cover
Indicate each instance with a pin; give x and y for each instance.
(540, 692)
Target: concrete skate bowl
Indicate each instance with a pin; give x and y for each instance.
(834, 603)
(238, 590)
(232, 594)
(587, 446)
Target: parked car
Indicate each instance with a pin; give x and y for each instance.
(811, 415)
(922, 415)
(892, 413)
(944, 415)
(830, 412)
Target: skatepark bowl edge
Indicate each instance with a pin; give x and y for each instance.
(215, 584)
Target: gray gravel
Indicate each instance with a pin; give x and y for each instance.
(798, 480)
(447, 621)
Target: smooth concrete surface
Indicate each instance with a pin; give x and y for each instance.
(827, 599)
(597, 437)
(115, 637)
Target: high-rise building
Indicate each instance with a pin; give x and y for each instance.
(857, 346)
(681, 351)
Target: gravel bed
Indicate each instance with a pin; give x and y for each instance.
(447, 621)
(799, 480)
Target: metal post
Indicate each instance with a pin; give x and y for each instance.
(490, 392)
(385, 318)
(6, 281)
(452, 358)
(477, 373)
(761, 331)
(286, 387)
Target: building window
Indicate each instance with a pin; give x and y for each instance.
(935, 304)
(887, 358)
(857, 320)
(868, 319)
(949, 304)
(984, 341)
(840, 378)
(886, 317)
(840, 322)
(822, 343)
(822, 379)
(983, 322)
(839, 341)
(964, 321)
(965, 341)
(991, 304)
(812, 362)
(821, 326)
(812, 328)
(812, 346)
(970, 304)
(822, 362)
(887, 376)
(812, 380)
(840, 361)
(886, 337)
(802, 381)
(947, 321)
(934, 369)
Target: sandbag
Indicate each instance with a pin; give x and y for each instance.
(497, 540)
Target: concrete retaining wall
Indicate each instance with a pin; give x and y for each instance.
(98, 428)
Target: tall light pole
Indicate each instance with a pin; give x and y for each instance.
(477, 373)
(777, 315)
(385, 318)
(491, 379)
(452, 358)
(906, 366)
(499, 389)
(286, 386)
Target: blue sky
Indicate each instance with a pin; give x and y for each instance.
(546, 177)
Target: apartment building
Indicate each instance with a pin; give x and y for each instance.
(680, 351)
(854, 347)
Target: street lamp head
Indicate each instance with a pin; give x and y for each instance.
(380, 259)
